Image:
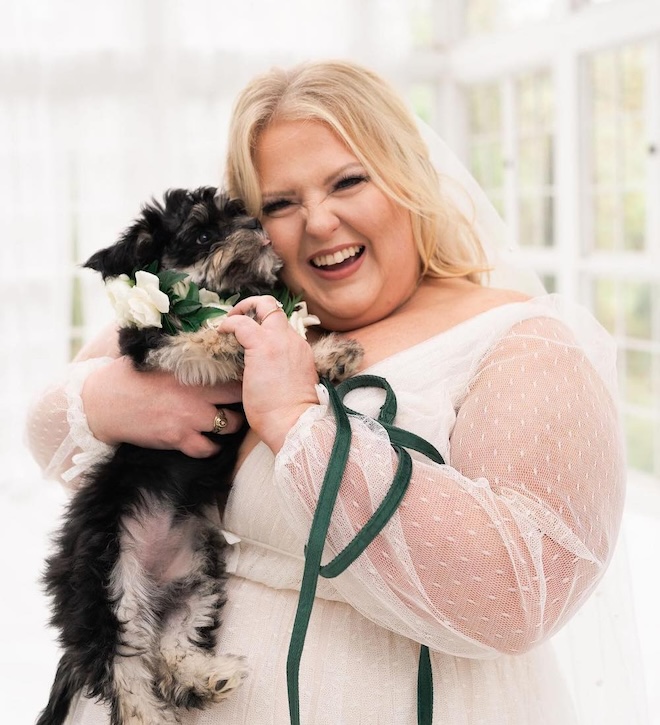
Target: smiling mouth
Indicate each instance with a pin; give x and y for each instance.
(338, 259)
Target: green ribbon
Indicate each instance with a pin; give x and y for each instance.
(400, 440)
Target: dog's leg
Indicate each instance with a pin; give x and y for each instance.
(133, 700)
(190, 672)
(205, 357)
(337, 358)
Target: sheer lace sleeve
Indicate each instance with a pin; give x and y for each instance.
(494, 551)
(57, 434)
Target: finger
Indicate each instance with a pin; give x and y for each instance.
(200, 446)
(249, 303)
(225, 421)
(245, 329)
(261, 308)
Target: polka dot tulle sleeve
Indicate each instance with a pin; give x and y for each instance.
(57, 433)
(494, 551)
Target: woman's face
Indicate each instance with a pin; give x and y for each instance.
(346, 246)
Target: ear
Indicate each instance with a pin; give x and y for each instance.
(139, 246)
(177, 203)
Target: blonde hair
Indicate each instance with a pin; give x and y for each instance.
(372, 120)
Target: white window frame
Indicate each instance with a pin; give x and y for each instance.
(575, 29)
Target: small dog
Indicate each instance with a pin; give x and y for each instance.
(137, 574)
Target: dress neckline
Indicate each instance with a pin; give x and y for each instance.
(389, 358)
(443, 333)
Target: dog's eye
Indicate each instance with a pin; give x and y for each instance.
(204, 238)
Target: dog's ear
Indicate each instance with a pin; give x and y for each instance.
(227, 205)
(139, 246)
(177, 204)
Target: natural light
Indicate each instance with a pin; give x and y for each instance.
(554, 105)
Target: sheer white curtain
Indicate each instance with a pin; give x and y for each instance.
(103, 105)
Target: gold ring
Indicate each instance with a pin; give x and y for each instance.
(220, 421)
(278, 307)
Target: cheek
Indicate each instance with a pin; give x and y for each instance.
(285, 241)
(282, 236)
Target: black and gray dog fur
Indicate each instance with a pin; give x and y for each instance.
(137, 574)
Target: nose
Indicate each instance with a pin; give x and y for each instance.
(320, 220)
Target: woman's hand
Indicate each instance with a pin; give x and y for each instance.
(280, 377)
(153, 410)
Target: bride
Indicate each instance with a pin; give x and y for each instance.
(492, 554)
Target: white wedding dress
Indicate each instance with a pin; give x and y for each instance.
(484, 561)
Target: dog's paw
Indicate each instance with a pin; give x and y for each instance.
(205, 357)
(337, 358)
(228, 674)
(199, 678)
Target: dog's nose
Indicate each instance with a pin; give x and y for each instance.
(253, 223)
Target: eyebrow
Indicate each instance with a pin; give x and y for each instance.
(289, 192)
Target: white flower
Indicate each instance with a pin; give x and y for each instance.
(181, 288)
(118, 290)
(208, 298)
(211, 299)
(140, 304)
(300, 319)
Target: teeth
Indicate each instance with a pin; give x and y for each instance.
(327, 260)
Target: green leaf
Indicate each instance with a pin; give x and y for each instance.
(193, 292)
(168, 278)
(185, 307)
(188, 326)
(289, 301)
(168, 325)
(206, 313)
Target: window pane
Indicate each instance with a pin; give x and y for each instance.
(485, 140)
(639, 378)
(604, 302)
(629, 310)
(618, 148)
(547, 235)
(535, 172)
(604, 151)
(632, 71)
(633, 152)
(484, 109)
(481, 16)
(640, 434)
(422, 98)
(421, 23)
(527, 220)
(638, 310)
(634, 220)
(487, 16)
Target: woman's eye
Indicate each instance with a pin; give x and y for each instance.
(273, 208)
(349, 181)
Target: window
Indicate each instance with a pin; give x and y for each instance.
(511, 154)
(611, 261)
(487, 16)
(619, 228)
(486, 156)
(535, 159)
(617, 167)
